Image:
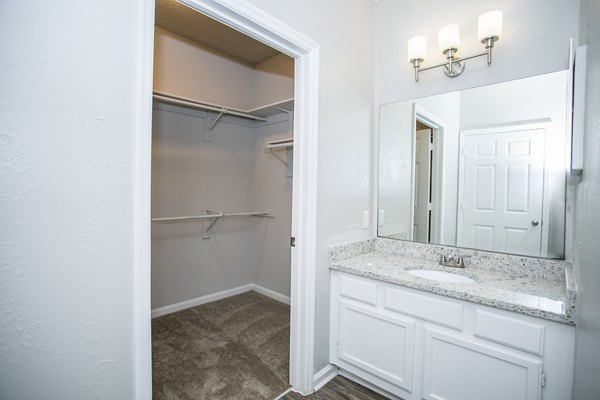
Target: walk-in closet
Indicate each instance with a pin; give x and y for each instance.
(222, 167)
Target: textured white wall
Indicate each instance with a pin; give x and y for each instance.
(535, 41)
(587, 220)
(66, 287)
(272, 189)
(344, 31)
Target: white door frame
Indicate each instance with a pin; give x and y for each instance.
(543, 124)
(437, 183)
(252, 21)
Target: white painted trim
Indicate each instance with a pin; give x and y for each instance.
(326, 374)
(282, 298)
(249, 19)
(576, 109)
(438, 183)
(304, 222)
(574, 133)
(374, 206)
(142, 148)
(413, 139)
(209, 298)
(282, 395)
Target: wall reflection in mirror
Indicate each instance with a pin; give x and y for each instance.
(482, 168)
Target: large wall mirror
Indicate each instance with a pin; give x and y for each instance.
(481, 168)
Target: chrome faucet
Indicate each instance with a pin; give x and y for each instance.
(447, 260)
(460, 262)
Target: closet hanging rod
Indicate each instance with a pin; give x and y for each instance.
(251, 213)
(273, 145)
(263, 214)
(182, 101)
(187, 218)
(215, 215)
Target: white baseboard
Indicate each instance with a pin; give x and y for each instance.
(271, 293)
(325, 375)
(282, 395)
(158, 312)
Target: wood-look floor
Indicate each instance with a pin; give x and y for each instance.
(339, 388)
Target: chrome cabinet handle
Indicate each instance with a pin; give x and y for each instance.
(535, 222)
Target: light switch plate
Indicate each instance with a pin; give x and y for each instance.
(381, 218)
(365, 221)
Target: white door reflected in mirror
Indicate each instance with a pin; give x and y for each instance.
(501, 179)
(482, 168)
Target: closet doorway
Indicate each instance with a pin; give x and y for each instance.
(222, 169)
(258, 24)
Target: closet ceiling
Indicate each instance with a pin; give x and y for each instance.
(182, 20)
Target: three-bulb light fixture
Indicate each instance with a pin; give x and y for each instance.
(489, 32)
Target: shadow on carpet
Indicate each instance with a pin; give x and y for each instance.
(235, 348)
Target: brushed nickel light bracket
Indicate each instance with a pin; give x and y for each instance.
(489, 32)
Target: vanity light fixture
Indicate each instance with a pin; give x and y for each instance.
(489, 32)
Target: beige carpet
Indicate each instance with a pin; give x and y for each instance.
(235, 348)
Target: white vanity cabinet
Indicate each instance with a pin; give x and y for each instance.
(421, 346)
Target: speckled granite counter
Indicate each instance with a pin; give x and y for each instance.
(531, 286)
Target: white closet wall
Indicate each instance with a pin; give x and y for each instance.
(273, 80)
(189, 69)
(189, 176)
(225, 169)
(272, 187)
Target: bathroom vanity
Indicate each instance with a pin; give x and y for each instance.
(501, 328)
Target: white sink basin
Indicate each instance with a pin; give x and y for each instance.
(440, 276)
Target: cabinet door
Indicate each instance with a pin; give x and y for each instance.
(380, 344)
(462, 369)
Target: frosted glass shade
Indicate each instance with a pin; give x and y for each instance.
(449, 37)
(417, 48)
(490, 25)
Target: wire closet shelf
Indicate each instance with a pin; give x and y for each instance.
(214, 216)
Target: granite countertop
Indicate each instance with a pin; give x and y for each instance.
(547, 296)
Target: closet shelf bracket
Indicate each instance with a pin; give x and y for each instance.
(210, 128)
(262, 214)
(286, 144)
(282, 143)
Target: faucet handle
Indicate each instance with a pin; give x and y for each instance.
(444, 258)
(460, 262)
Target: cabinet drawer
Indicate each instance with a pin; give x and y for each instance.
(425, 307)
(512, 332)
(358, 289)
